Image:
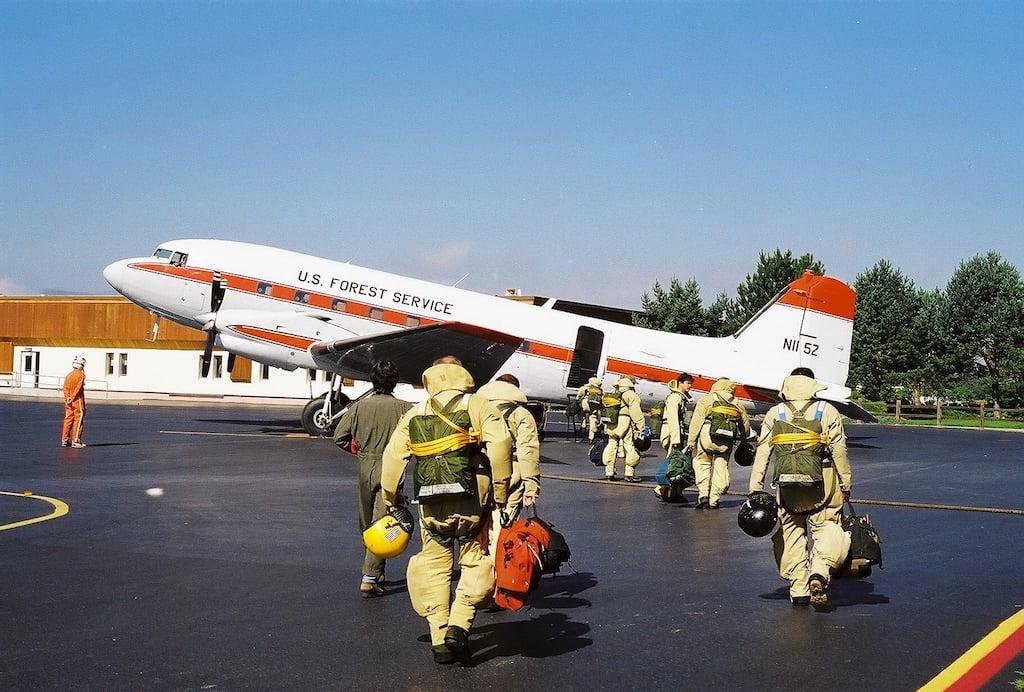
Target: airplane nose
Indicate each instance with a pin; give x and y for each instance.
(116, 275)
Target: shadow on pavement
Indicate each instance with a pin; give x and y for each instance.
(551, 634)
(842, 593)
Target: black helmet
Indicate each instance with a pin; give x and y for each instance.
(642, 442)
(744, 454)
(758, 515)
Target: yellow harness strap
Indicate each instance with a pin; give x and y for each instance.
(807, 438)
(729, 411)
(449, 443)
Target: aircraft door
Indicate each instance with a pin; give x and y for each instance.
(30, 368)
(586, 357)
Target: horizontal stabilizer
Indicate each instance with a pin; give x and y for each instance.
(482, 351)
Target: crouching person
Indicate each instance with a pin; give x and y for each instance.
(805, 437)
(461, 450)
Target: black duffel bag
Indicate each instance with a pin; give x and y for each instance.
(597, 450)
(556, 551)
(865, 545)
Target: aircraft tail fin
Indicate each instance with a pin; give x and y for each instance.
(809, 324)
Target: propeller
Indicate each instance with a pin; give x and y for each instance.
(218, 287)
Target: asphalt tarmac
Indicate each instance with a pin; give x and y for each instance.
(243, 573)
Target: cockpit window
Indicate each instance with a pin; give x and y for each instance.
(179, 259)
(161, 253)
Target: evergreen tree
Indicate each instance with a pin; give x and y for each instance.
(884, 350)
(773, 273)
(985, 317)
(679, 309)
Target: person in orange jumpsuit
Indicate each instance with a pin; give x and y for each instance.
(74, 405)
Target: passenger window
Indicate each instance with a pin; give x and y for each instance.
(264, 289)
(302, 297)
(339, 305)
(376, 313)
(412, 321)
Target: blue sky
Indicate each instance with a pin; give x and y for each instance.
(582, 150)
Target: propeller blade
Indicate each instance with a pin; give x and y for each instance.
(208, 352)
(217, 288)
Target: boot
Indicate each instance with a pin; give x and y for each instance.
(819, 591)
(457, 641)
(442, 656)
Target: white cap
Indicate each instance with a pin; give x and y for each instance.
(78, 362)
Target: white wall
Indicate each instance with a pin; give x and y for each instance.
(168, 372)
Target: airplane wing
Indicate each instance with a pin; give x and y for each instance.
(852, 410)
(482, 351)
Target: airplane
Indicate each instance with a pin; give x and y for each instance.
(291, 310)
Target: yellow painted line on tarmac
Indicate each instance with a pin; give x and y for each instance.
(983, 660)
(229, 434)
(60, 508)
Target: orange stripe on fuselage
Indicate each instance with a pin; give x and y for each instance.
(549, 351)
(279, 338)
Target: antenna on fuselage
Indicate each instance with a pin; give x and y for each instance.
(456, 284)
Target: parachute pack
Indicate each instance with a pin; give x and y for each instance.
(444, 446)
(724, 420)
(800, 446)
(611, 405)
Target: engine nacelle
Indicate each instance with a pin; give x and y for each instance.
(278, 339)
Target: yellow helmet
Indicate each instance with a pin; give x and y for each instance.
(389, 536)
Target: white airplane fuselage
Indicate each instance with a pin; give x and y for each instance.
(278, 303)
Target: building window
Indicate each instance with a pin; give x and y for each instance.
(412, 321)
(264, 289)
(110, 364)
(264, 371)
(123, 364)
(339, 305)
(376, 313)
(302, 297)
(310, 375)
(218, 367)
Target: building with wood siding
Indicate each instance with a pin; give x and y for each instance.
(39, 335)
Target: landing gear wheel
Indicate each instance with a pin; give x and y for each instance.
(314, 421)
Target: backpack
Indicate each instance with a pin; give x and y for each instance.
(724, 420)
(594, 395)
(444, 447)
(527, 548)
(865, 545)
(657, 418)
(611, 404)
(800, 446)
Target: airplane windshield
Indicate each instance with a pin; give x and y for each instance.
(162, 253)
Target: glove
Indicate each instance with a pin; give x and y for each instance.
(846, 495)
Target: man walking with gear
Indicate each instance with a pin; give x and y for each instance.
(623, 419)
(524, 487)
(674, 424)
(813, 477)
(589, 397)
(369, 423)
(462, 454)
(719, 422)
